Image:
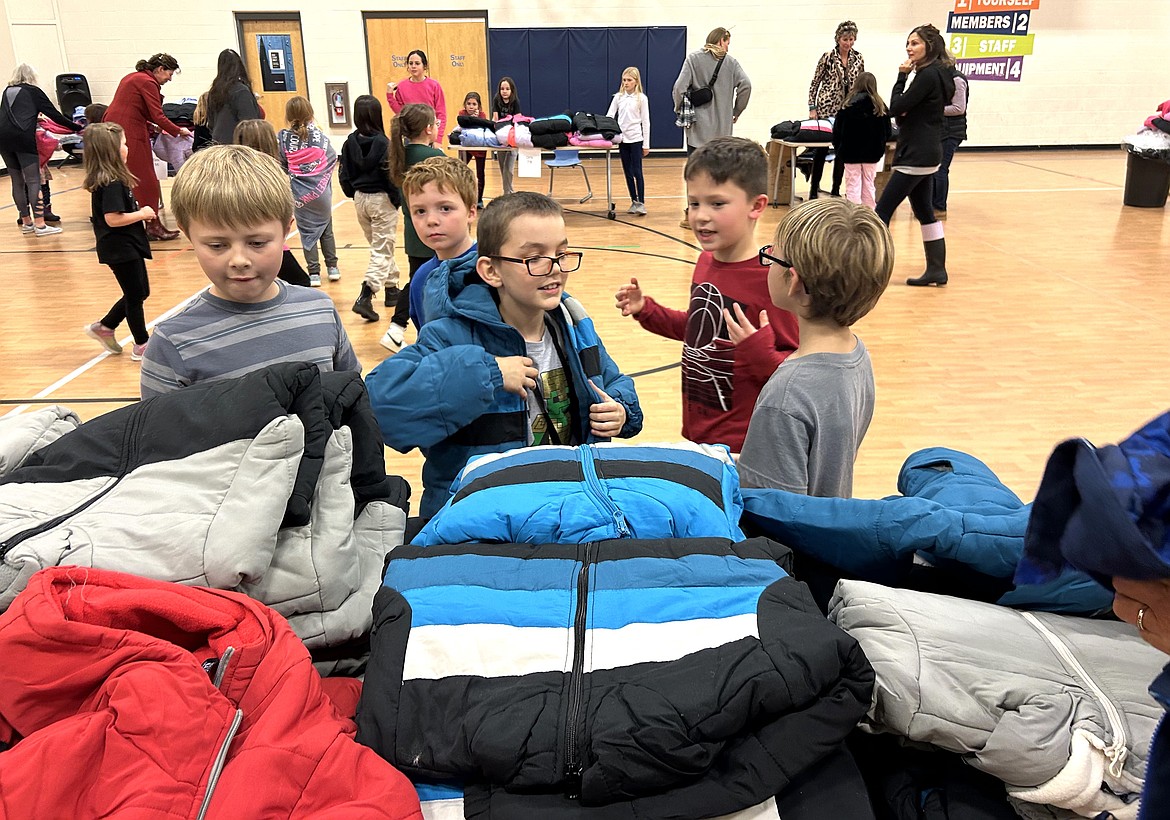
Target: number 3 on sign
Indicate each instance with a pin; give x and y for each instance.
(959, 45)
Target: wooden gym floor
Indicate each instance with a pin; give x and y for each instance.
(1053, 325)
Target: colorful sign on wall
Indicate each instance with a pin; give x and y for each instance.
(990, 38)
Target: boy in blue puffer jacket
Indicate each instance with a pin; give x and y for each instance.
(506, 358)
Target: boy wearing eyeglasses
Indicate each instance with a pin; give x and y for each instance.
(829, 263)
(733, 337)
(506, 358)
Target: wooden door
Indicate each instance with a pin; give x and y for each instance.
(274, 101)
(456, 49)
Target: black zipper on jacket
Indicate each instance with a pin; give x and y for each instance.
(129, 451)
(573, 767)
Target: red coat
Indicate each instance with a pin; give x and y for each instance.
(136, 103)
(132, 696)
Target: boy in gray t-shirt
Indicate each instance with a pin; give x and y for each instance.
(235, 206)
(815, 409)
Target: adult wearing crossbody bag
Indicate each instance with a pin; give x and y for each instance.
(730, 89)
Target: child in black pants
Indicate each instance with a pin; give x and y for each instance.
(121, 238)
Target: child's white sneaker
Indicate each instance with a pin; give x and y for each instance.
(394, 338)
(334, 275)
(314, 280)
(45, 230)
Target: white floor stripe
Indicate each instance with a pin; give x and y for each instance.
(125, 342)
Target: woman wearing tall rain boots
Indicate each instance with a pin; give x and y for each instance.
(919, 113)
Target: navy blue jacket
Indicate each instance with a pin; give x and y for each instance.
(859, 134)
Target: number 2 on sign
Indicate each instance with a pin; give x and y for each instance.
(1020, 26)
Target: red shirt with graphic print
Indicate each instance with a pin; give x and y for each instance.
(721, 381)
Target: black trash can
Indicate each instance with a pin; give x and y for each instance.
(1147, 182)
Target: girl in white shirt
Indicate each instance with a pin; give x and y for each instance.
(632, 111)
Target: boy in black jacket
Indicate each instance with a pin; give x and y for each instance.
(364, 176)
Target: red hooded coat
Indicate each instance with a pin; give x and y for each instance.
(143, 699)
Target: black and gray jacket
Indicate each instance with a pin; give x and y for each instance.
(273, 484)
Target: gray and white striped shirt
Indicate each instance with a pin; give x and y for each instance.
(214, 338)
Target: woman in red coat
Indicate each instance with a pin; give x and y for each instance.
(137, 103)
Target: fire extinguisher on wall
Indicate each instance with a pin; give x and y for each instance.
(338, 107)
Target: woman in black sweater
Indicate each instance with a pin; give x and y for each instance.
(919, 113)
(20, 103)
(230, 100)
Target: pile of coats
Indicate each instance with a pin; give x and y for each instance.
(1010, 670)
(189, 585)
(518, 131)
(583, 631)
(273, 485)
(169, 574)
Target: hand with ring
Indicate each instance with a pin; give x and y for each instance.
(1146, 605)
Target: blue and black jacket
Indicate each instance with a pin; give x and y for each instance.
(627, 678)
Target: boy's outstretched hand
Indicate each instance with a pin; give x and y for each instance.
(629, 299)
(519, 374)
(739, 327)
(607, 417)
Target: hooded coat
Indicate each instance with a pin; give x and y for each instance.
(364, 168)
(142, 699)
(451, 372)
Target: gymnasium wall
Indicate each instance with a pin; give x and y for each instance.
(1091, 79)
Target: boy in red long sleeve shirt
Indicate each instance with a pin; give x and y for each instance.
(733, 337)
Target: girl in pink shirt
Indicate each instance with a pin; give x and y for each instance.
(419, 88)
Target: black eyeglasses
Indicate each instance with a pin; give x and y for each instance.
(766, 258)
(543, 265)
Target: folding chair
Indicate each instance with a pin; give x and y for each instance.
(567, 158)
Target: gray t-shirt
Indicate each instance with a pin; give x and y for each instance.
(808, 425)
(212, 338)
(551, 401)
